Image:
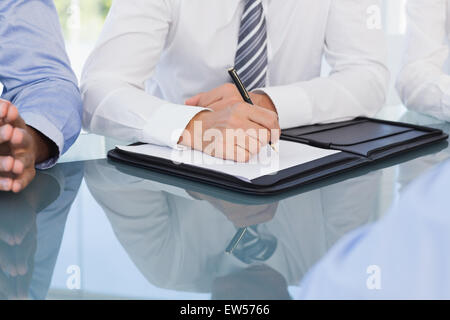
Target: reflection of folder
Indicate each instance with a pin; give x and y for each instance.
(360, 142)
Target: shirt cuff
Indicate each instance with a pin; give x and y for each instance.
(292, 103)
(48, 129)
(168, 123)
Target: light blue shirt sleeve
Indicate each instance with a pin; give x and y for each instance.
(36, 73)
(403, 256)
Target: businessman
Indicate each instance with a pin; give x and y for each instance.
(159, 70)
(40, 107)
(424, 82)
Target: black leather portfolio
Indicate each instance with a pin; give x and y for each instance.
(362, 141)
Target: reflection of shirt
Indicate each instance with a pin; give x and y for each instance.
(50, 226)
(179, 243)
(405, 255)
(185, 47)
(36, 73)
(424, 83)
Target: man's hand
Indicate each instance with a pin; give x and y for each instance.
(217, 98)
(21, 147)
(234, 130)
(240, 215)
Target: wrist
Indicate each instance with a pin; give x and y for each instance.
(264, 101)
(43, 147)
(187, 137)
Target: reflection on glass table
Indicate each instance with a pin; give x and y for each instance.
(127, 233)
(177, 238)
(31, 228)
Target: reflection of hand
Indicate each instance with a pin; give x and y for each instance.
(241, 215)
(17, 246)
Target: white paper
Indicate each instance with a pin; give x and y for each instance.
(289, 154)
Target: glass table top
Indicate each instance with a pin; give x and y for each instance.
(93, 229)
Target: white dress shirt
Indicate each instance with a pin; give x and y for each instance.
(154, 54)
(424, 82)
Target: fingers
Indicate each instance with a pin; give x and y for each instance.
(23, 180)
(6, 184)
(238, 132)
(8, 112)
(206, 99)
(267, 119)
(15, 138)
(6, 164)
(23, 253)
(6, 133)
(19, 180)
(19, 164)
(244, 148)
(18, 138)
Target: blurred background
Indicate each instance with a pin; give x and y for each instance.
(82, 22)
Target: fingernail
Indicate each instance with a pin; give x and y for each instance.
(4, 131)
(18, 167)
(17, 187)
(6, 164)
(5, 184)
(17, 136)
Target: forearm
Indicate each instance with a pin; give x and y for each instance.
(43, 147)
(53, 108)
(118, 110)
(423, 84)
(356, 91)
(424, 88)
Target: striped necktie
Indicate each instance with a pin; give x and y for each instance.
(251, 57)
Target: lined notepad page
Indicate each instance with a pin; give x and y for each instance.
(289, 154)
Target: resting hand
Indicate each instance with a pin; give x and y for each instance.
(21, 147)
